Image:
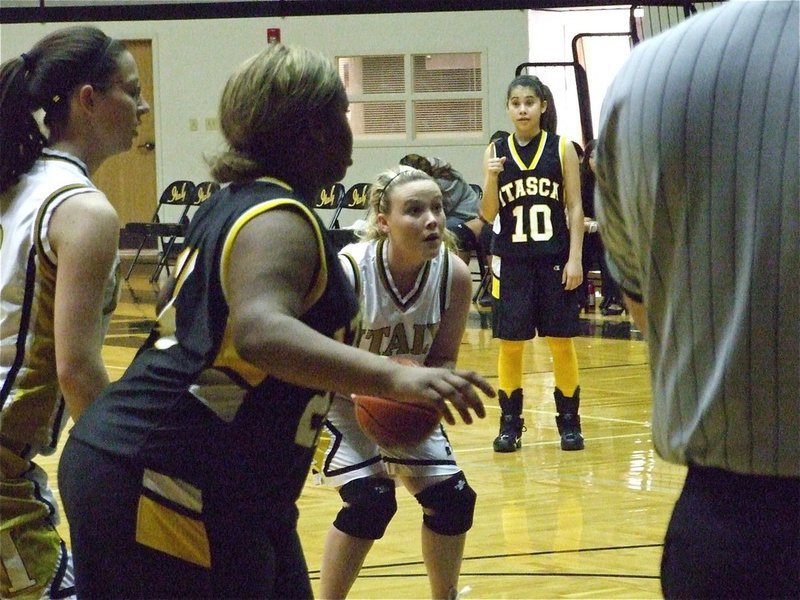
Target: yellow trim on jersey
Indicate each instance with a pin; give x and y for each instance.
(517, 159)
(562, 144)
(37, 238)
(229, 358)
(277, 182)
(184, 266)
(166, 320)
(356, 273)
(322, 277)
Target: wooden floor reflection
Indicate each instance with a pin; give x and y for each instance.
(548, 523)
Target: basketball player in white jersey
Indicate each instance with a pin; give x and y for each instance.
(698, 195)
(58, 272)
(415, 296)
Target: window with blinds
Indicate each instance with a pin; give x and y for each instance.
(414, 96)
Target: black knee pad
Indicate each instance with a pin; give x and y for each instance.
(453, 504)
(371, 506)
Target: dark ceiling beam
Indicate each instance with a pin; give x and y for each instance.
(129, 11)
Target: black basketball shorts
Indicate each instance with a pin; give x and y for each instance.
(530, 299)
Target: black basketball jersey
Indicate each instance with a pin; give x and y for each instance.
(188, 405)
(530, 190)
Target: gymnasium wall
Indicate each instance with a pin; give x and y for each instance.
(192, 60)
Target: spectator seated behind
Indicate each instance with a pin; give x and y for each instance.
(593, 250)
(460, 202)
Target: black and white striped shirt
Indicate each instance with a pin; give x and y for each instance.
(698, 200)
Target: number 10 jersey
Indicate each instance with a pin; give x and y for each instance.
(532, 220)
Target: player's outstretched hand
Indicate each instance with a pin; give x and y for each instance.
(442, 388)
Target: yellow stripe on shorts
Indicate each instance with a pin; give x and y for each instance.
(161, 528)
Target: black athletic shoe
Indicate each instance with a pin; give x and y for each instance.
(510, 437)
(568, 420)
(569, 427)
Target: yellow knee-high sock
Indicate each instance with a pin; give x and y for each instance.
(509, 365)
(565, 364)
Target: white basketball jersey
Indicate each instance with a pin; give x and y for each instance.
(394, 324)
(31, 403)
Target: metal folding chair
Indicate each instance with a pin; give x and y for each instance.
(180, 193)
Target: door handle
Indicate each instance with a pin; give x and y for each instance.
(148, 146)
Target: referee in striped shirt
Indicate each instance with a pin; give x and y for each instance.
(698, 200)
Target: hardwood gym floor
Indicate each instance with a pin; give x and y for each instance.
(548, 523)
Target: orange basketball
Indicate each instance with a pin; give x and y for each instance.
(390, 423)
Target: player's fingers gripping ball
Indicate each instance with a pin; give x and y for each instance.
(390, 423)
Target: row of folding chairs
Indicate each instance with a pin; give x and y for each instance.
(186, 195)
(339, 201)
(335, 199)
(179, 197)
(344, 206)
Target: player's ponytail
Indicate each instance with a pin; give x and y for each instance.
(21, 142)
(43, 79)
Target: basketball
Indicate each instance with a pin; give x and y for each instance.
(390, 423)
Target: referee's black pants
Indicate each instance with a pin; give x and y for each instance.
(733, 536)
